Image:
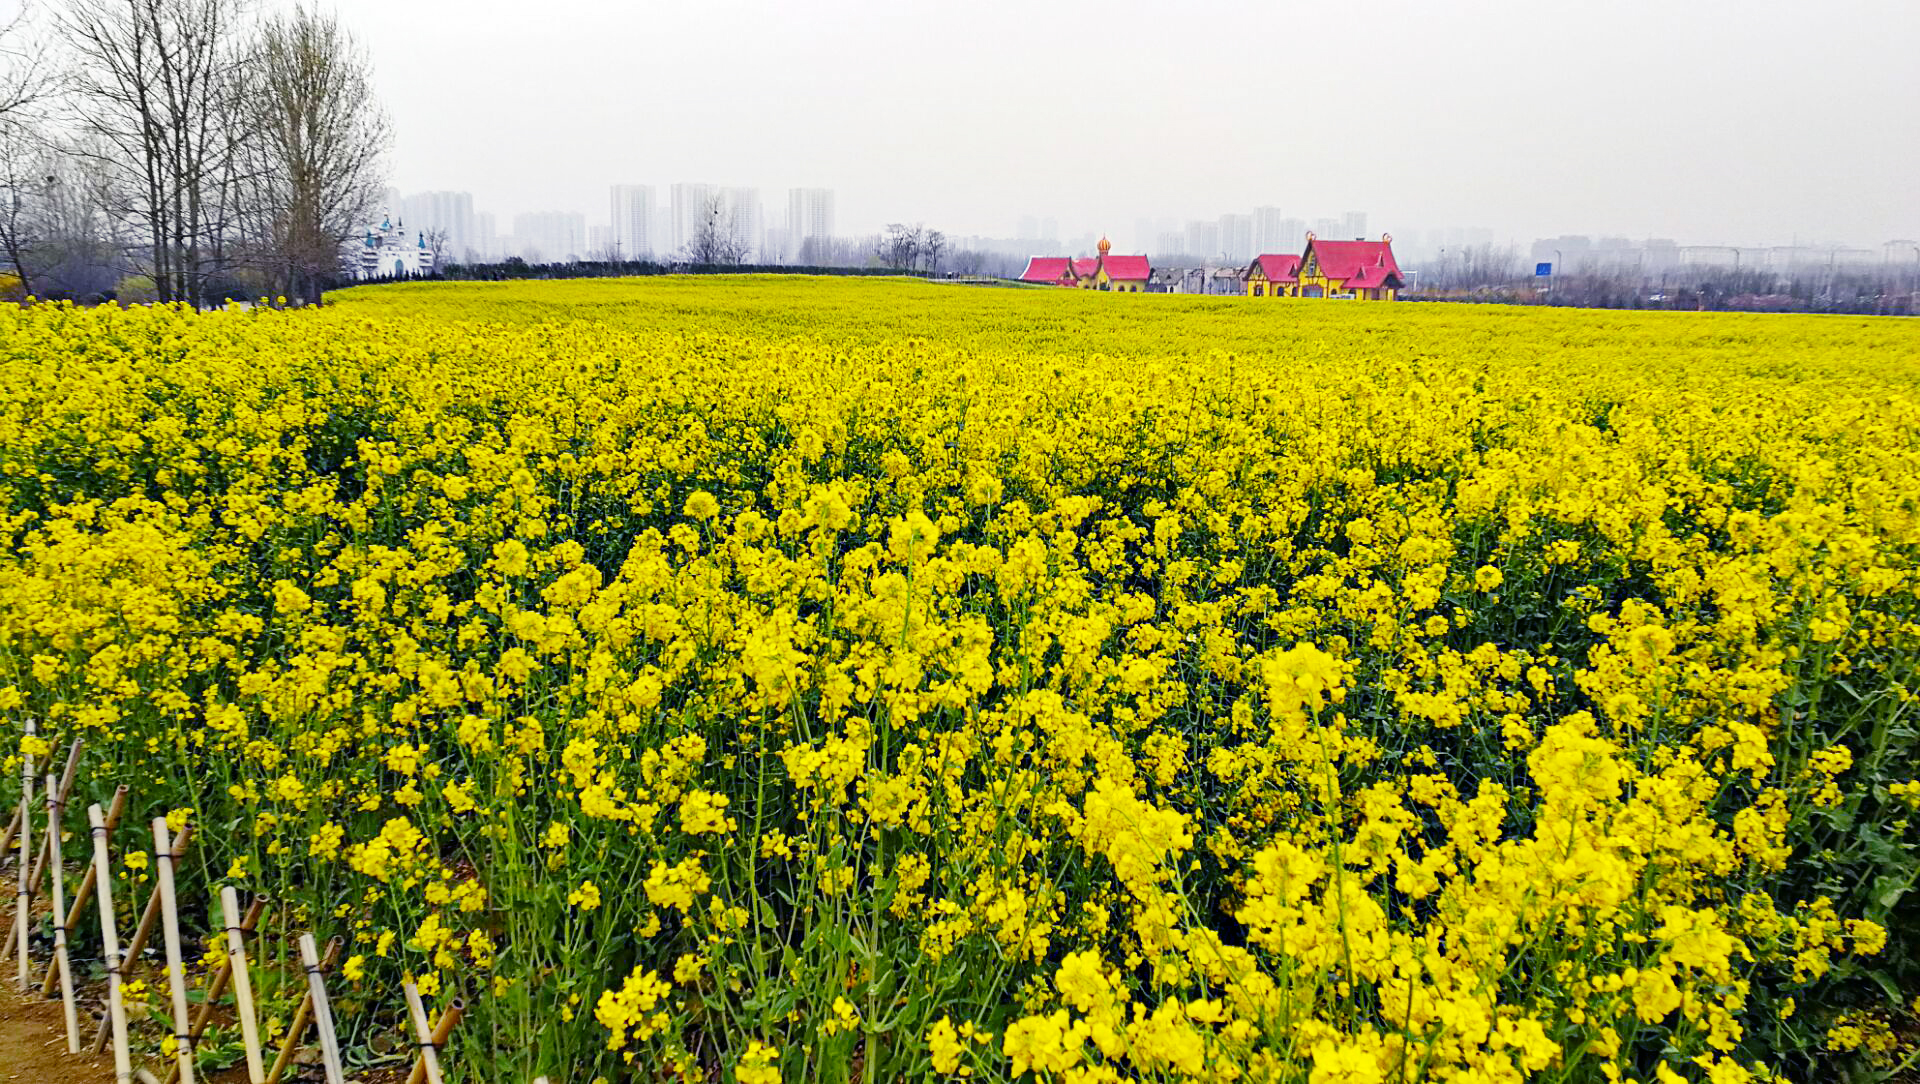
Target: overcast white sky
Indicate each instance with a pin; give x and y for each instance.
(1742, 121)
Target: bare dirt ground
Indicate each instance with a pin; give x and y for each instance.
(33, 1042)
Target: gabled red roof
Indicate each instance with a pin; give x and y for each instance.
(1355, 259)
(1370, 277)
(1279, 268)
(1048, 269)
(1053, 269)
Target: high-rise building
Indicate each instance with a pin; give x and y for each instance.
(1267, 237)
(689, 212)
(1203, 240)
(738, 211)
(1236, 237)
(445, 216)
(486, 240)
(809, 223)
(551, 236)
(748, 222)
(1353, 226)
(1049, 229)
(632, 206)
(1328, 228)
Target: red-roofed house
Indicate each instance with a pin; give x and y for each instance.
(1273, 276)
(1359, 270)
(1051, 270)
(1119, 274)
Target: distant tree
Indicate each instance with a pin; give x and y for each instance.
(23, 178)
(716, 241)
(319, 141)
(933, 245)
(155, 88)
(24, 76)
(900, 247)
(57, 229)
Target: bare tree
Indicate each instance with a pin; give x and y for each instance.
(24, 76)
(155, 85)
(933, 245)
(899, 247)
(716, 242)
(319, 140)
(23, 178)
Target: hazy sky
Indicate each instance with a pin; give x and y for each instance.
(1746, 122)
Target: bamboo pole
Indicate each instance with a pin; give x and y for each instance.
(110, 945)
(300, 1016)
(428, 1057)
(59, 899)
(66, 789)
(85, 894)
(170, 933)
(12, 829)
(221, 974)
(444, 1028)
(148, 920)
(322, 1012)
(40, 855)
(26, 856)
(242, 984)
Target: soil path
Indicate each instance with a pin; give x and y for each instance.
(33, 1042)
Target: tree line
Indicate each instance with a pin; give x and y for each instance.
(183, 150)
(1497, 273)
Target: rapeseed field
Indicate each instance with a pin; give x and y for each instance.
(764, 680)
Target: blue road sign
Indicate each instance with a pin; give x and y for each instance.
(1543, 269)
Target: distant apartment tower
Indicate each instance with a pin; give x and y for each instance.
(1269, 232)
(809, 224)
(1236, 238)
(689, 210)
(739, 210)
(749, 222)
(632, 207)
(486, 239)
(551, 236)
(1353, 226)
(1203, 240)
(447, 217)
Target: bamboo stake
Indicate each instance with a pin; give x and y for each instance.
(322, 1012)
(300, 1016)
(428, 1057)
(85, 894)
(242, 985)
(40, 856)
(148, 920)
(444, 1028)
(66, 789)
(59, 906)
(26, 856)
(221, 974)
(110, 945)
(170, 931)
(13, 828)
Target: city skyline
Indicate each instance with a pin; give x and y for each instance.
(642, 225)
(1524, 118)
